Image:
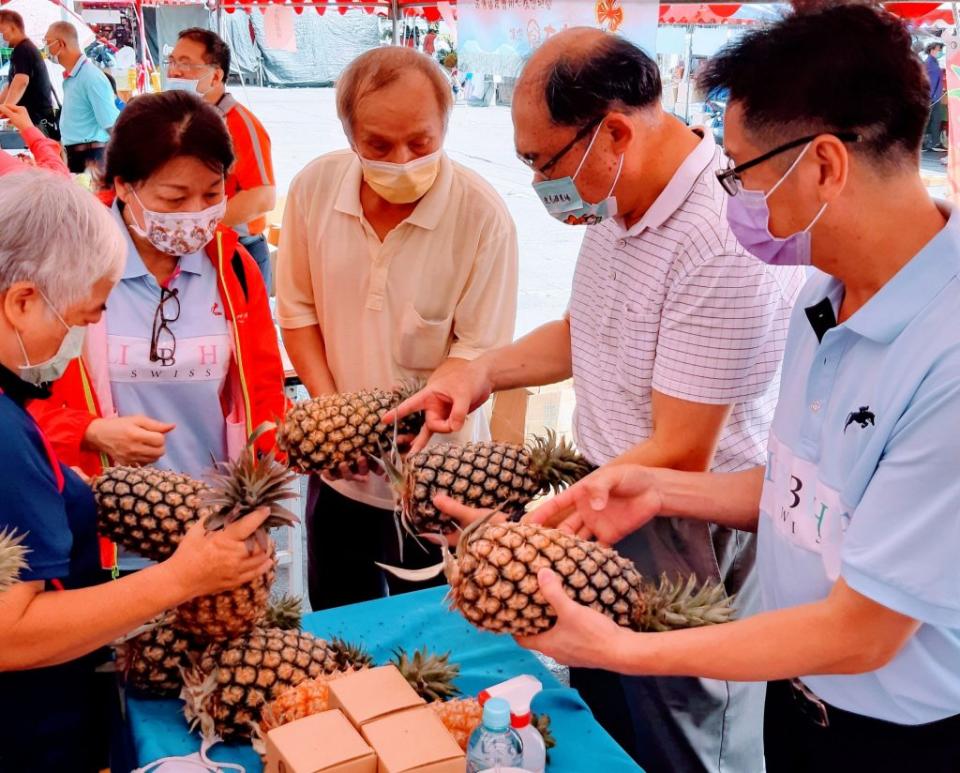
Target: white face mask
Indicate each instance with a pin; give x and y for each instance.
(50, 370)
(183, 84)
(179, 233)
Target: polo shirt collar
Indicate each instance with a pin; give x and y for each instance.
(194, 263)
(912, 288)
(427, 214)
(679, 188)
(76, 68)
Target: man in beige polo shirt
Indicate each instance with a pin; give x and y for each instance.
(394, 262)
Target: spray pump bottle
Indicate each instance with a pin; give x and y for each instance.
(519, 692)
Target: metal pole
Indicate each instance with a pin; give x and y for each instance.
(395, 15)
(956, 22)
(688, 64)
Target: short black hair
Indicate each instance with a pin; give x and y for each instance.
(154, 129)
(931, 47)
(614, 75)
(216, 49)
(12, 17)
(839, 68)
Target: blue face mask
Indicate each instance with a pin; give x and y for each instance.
(49, 371)
(563, 200)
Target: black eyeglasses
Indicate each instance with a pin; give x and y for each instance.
(730, 178)
(566, 148)
(163, 343)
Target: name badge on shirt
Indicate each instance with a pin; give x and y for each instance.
(803, 510)
(202, 358)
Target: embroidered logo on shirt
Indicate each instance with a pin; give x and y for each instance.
(202, 358)
(864, 417)
(215, 310)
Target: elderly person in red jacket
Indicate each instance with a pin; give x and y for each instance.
(185, 361)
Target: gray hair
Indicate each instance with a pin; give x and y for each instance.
(378, 68)
(57, 236)
(67, 31)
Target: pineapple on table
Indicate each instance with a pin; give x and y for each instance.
(153, 661)
(482, 475)
(493, 582)
(12, 558)
(234, 681)
(321, 434)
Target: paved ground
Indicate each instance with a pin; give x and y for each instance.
(303, 124)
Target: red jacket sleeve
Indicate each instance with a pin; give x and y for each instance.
(45, 151)
(263, 367)
(64, 420)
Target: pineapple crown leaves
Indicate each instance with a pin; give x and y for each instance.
(239, 487)
(430, 675)
(555, 463)
(350, 657)
(285, 613)
(542, 723)
(197, 696)
(12, 557)
(669, 605)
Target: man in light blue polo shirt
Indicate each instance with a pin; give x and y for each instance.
(858, 507)
(89, 104)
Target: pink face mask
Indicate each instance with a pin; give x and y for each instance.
(749, 218)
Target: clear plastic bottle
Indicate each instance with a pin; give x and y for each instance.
(494, 745)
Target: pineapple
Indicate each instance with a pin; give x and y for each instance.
(12, 558)
(152, 661)
(233, 683)
(461, 717)
(493, 582)
(482, 475)
(431, 676)
(310, 697)
(238, 488)
(321, 434)
(148, 510)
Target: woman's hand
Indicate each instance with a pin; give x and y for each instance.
(209, 562)
(608, 504)
(18, 116)
(462, 515)
(128, 439)
(581, 636)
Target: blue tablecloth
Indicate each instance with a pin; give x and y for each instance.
(411, 621)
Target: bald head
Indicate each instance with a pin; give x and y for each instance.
(583, 73)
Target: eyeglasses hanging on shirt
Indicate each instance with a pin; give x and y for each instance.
(163, 343)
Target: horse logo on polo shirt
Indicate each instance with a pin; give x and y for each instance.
(863, 416)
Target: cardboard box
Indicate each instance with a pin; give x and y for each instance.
(324, 742)
(414, 741)
(371, 694)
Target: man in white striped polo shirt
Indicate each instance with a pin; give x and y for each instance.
(674, 337)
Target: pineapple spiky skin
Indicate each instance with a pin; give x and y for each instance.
(228, 614)
(148, 510)
(311, 696)
(12, 558)
(484, 475)
(431, 676)
(319, 435)
(461, 717)
(235, 681)
(493, 582)
(154, 660)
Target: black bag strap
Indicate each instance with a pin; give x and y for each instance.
(236, 263)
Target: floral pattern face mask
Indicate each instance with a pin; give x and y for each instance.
(179, 233)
